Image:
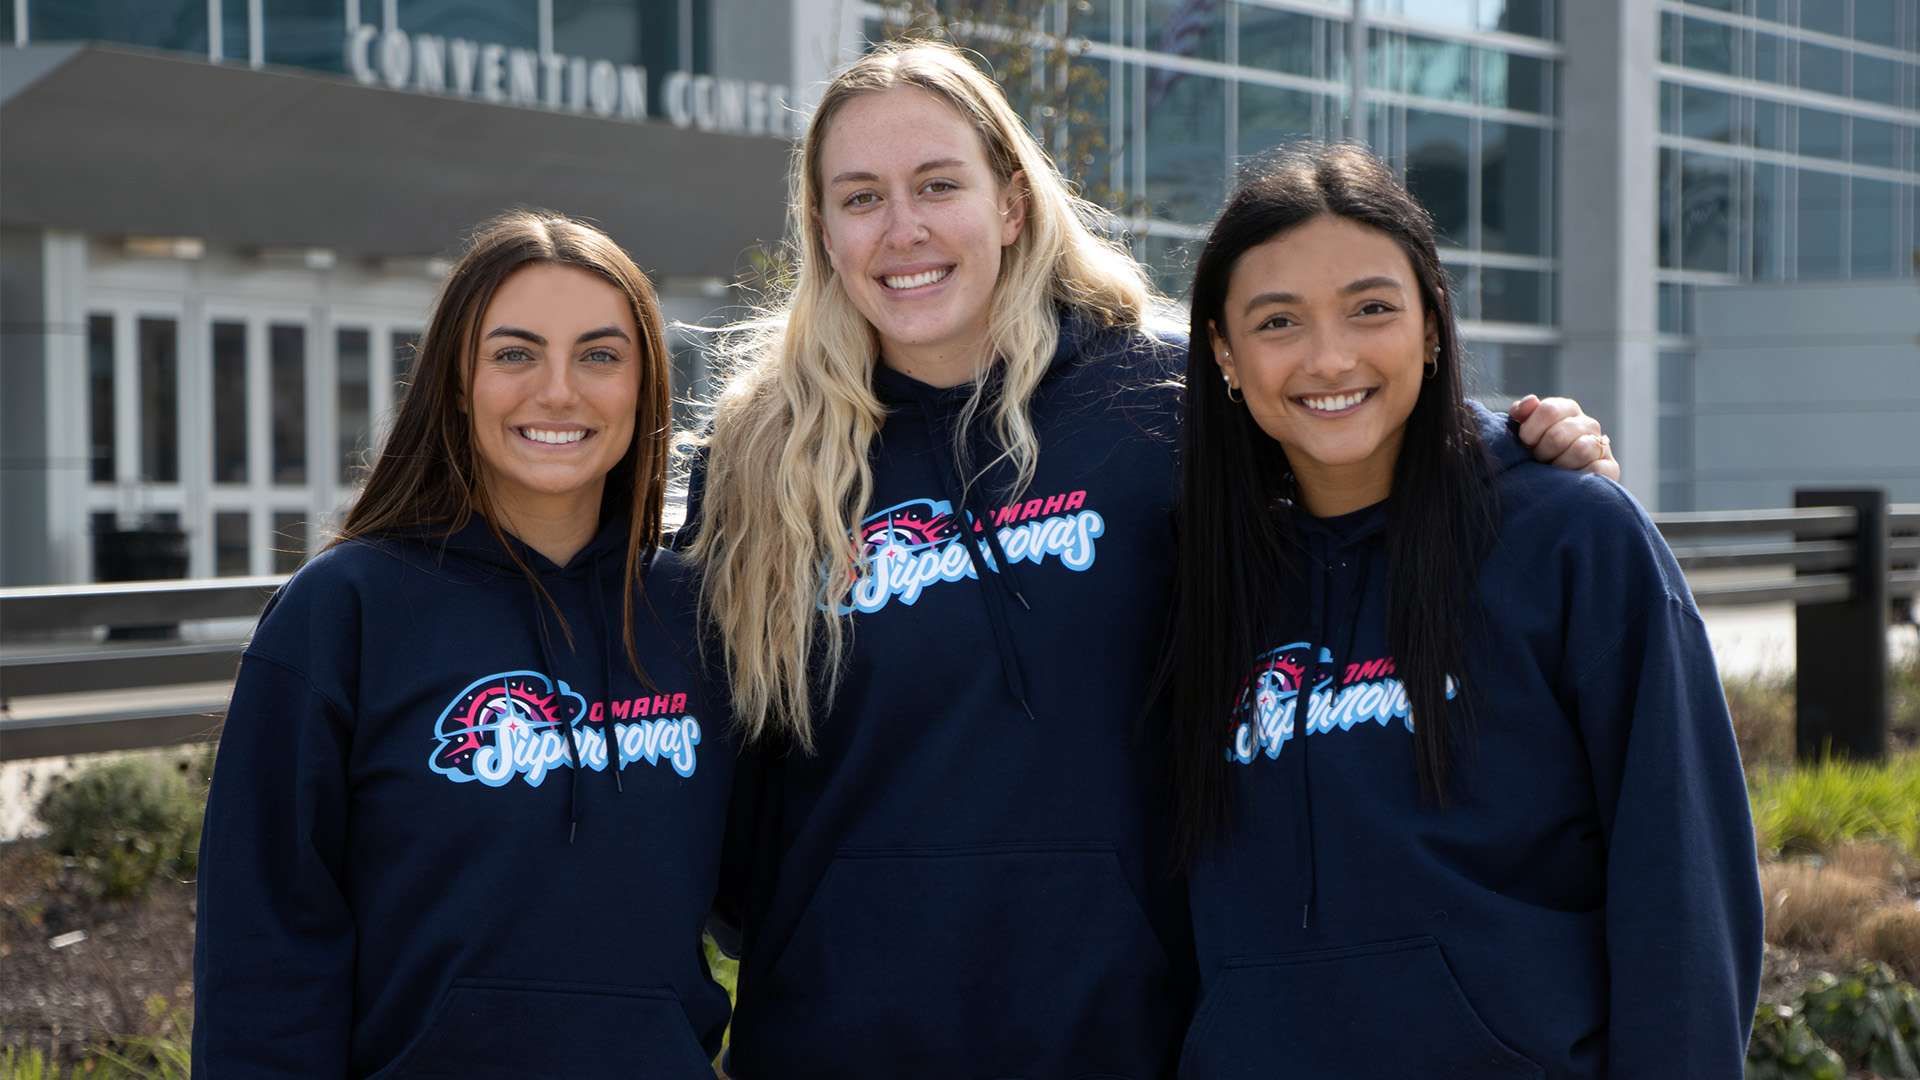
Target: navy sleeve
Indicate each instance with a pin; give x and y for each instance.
(273, 955)
(1683, 896)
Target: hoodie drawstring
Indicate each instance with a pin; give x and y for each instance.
(1321, 589)
(965, 517)
(566, 735)
(606, 673)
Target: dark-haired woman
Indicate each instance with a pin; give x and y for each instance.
(466, 812)
(1456, 782)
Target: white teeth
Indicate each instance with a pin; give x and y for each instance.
(914, 281)
(555, 437)
(1336, 402)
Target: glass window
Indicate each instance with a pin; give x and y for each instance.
(1092, 96)
(1709, 46)
(1464, 280)
(1873, 228)
(1437, 69)
(1673, 308)
(1706, 212)
(159, 401)
(1770, 58)
(1875, 142)
(234, 42)
(1768, 216)
(1093, 19)
(1271, 116)
(1530, 369)
(180, 25)
(1169, 259)
(1822, 69)
(1770, 121)
(232, 543)
(1822, 202)
(1515, 82)
(1438, 160)
(1876, 79)
(1716, 5)
(1522, 296)
(1516, 188)
(1458, 13)
(1669, 217)
(1826, 16)
(1676, 371)
(100, 380)
(312, 33)
(1770, 10)
(1669, 109)
(229, 403)
(289, 542)
(6, 24)
(1530, 17)
(287, 357)
(1874, 21)
(355, 418)
(1669, 38)
(1823, 134)
(1706, 114)
(1186, 145)
(616, 30)
(405, 345)
(1278, 40)
(1184, 28)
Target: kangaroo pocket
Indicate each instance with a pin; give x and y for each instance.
(487, 1028)
(1387, 1011)
(1017, 961)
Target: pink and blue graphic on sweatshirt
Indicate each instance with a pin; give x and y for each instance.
(912, 545)
(515, 723)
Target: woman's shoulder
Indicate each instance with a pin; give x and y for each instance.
(1586, 525)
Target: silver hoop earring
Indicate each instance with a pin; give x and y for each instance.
(1433, 362)
(1230, 389)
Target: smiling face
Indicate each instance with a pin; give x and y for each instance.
(554, 390)
(914, 220)
(1325, 333)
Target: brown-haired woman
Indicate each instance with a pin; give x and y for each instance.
(461, 824)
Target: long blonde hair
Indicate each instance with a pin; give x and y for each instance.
(787, 474)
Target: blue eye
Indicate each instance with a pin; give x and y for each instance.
(602, 356)
(512, 356)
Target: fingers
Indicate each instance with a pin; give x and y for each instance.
(1591, 453)
(1523, 408)
(1556, 436)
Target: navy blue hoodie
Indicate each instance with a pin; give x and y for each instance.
(408, 871)
(967, 880)
(1587, 903)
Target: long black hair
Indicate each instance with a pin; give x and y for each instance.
(1238, 492)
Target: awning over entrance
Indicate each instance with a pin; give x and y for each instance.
(106, 141)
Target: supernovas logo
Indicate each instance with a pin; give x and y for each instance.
(912, 545)
(515, 723)
(1267, 717)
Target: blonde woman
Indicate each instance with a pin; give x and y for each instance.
(941, 636)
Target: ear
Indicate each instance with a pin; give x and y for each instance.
(1013, 207)
(1222, 353)
(1432, 337)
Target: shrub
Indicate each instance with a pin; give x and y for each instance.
(1785, 1048)
(126, 822)
(1811, 907)
(1870, 1018)
(1892, 936)
(1869, 860)
(1762, 710)
(1818, 807)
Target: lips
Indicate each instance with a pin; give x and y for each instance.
(553, 436)
(1335, 403)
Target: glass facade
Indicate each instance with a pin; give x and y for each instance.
(1789, 150)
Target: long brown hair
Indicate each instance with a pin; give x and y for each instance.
(427, 475)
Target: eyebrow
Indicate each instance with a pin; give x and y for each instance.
(926, 166)
(1378, 281)
(528, 335)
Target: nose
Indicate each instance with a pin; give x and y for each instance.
(904, 225)
(1330, 355)
(556, 388)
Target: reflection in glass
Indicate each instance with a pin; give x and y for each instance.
(1464, 281)
(1873, 228)
(289, 542)
(1185, 28)
(1437, 170)
(1669, 216)
(232, 543)
(1435, 69)
(1706, 114)
(1515, 188)
(1708, 46)
(1515, 82)
(1873, 21)
(1186, 134)
(1706, 212)
(1768, 222)
(1529, 17)
(1520, 296)
(312, 33)
(1769, 58)
(159, 352)
(1271, 116)
(1822, 204)
(354, 428)
(1876, 79)
(1279, 40)
(1169, 260)
(179, 25)
(1094, 92)
(1456, 13)
(100, 434)
(229, 403)
(1826, 16)
(1770, 122)
(287, 362)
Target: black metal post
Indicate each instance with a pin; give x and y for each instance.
(1840, 648)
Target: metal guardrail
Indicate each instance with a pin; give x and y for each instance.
(1849, 554)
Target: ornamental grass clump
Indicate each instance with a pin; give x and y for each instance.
(1816, 808)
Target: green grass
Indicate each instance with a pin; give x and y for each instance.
(1813, 808)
